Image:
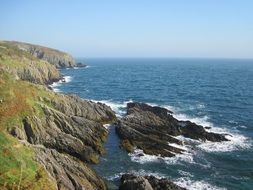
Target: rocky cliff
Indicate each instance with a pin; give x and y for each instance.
(47, 139)
(55, 57)
(154, 130)
(22, 65)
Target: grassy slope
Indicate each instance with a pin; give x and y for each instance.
(18, 99)
(14, 60)
(16, 160)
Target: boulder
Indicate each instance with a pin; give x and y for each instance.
(133, 182)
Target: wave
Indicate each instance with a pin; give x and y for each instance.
(237, 140)
(185, 182)
(65, 79)
(119, 108)
(190, 184)
(140, 172)
(139, 156)
(115, 176)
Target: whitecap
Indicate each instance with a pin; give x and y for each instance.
(189, 184)
(139, 156)
(242, 126)
(115, 176)
(198, 120)
(201, 106)
(184, 173)
(67, 78)
(119, 108)
(141, 172)
(54, 85)
(56, 90)
(236, 142)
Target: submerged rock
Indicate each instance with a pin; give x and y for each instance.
(153, 129)
(132, 182)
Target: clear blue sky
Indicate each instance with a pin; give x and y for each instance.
(133, 28)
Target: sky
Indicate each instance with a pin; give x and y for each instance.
(133, 28)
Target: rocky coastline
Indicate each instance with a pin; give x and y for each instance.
(154, 130)
(65, 133)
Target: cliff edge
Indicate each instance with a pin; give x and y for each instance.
(55, 57)
(47, 139)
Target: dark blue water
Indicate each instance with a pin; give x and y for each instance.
(216, 93)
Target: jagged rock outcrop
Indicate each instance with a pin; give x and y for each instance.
(24, 66)
(58, 135)
(132, 182)
(68, 172)
(71, 125)
(55, 57)
(67, 133)
(153, 129)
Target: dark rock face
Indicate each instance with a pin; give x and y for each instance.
(153, 128)
(67, 134)
(81, 65)
(132, 182)
(68, 172)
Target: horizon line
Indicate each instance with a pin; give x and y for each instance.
(179, 58)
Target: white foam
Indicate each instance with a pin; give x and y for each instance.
(183, 117)
(242, 126)
(115, 176)
(119, 108)
(137, 173)
(198, 120)
(201, 106)
(143, 172)
(56, 90)
(67, 78)
(54, 85)
(178, 146)
(184, 173)
(189, 184)
(106, 126)
(139, 156)
(236, 142)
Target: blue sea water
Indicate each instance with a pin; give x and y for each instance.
(210, 92)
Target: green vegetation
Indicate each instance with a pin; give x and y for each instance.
(17, 100)
(21, 64)
(20, 100)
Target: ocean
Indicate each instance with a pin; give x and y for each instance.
(217, 93)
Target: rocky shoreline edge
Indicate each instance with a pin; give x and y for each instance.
(66, 133)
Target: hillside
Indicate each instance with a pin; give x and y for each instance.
(46, 139)
(55, 57)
